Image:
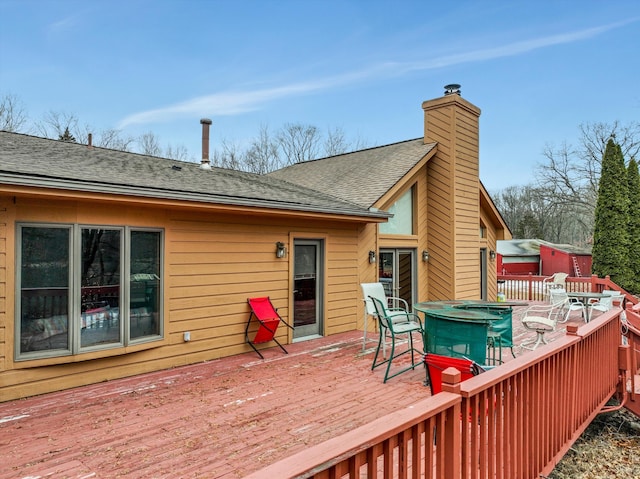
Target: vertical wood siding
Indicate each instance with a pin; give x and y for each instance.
(453, 198)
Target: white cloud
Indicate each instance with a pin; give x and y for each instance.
(237, 102)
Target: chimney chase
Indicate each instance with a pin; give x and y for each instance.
(205, 163)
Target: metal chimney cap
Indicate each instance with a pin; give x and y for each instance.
(205, 121)
(452, 89)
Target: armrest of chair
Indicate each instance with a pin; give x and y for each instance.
(392, 299)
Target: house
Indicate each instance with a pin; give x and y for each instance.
(114, 264)
(538, 257)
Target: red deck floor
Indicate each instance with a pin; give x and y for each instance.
(220, 419)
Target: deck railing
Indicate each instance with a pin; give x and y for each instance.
(532, 287)
(632, 337)
(513, 422)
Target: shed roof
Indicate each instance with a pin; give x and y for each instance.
(529, 247)
(32, 161)
(361, 177)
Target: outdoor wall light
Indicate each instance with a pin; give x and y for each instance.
(492, 255)
(425, 255)
(281, 250)
(372, 256)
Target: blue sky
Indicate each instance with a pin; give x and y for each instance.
(537, 69)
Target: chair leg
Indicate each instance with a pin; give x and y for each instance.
(391, 355)
(534, 343)
(494, 343)
(375, 358)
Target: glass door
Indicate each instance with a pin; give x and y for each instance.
(308, 288)
(483, 274)
(396, 272)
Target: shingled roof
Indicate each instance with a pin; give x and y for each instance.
(361, 177)
(32, 161)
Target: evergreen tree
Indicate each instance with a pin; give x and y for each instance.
(610, 235)
(67, 136)
(633, 180)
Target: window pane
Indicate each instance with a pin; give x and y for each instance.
(100, 286)
(402, 221)
(44, 289)
(144, 286)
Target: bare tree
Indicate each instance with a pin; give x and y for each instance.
(569, 177)
(572, 173)
(12, 114)
(55, 123)
(298, 142)
(149, 144)
(262, 156)
(335, 142)
(530, 213)
(178, 152)
(229, 157)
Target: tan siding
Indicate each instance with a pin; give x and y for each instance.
(3, 284)
(213, 263)
(368, 273)
(453, 200)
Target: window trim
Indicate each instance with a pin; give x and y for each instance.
(74, 349)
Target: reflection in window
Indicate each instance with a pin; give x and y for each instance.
(49, 321)
(144, 286)
(100, 286)
(402, 221)
(44, 289)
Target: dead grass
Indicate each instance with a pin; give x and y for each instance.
(609, 448)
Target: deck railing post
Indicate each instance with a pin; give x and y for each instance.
(530, 298)
(453, 434)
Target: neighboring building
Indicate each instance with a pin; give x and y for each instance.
(518, 256)
(537, 257)
(565, 258)
(114, 264)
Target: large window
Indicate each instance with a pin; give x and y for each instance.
(402, 221)
(71, 294)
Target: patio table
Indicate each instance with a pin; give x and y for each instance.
(457, 332)
(584, 297)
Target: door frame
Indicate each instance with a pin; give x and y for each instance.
(484, 264)
(320, 243)
(413, 252)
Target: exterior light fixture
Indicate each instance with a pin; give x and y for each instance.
(372, 256)
(425, 255)
(281, 250)
(492, 255)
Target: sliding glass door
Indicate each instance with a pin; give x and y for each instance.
(396, 271)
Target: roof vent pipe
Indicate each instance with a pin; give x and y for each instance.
(205, 164)
(452, 89)
(90, 141)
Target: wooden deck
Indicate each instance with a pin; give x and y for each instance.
(220, 419)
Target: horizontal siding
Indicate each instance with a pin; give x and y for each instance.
(213, 263)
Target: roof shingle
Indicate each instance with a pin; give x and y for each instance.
(361, 177)
(34, 161)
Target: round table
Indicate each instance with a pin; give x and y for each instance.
(463, 328)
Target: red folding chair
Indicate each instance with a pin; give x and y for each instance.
(268, 320)
(436, 363)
